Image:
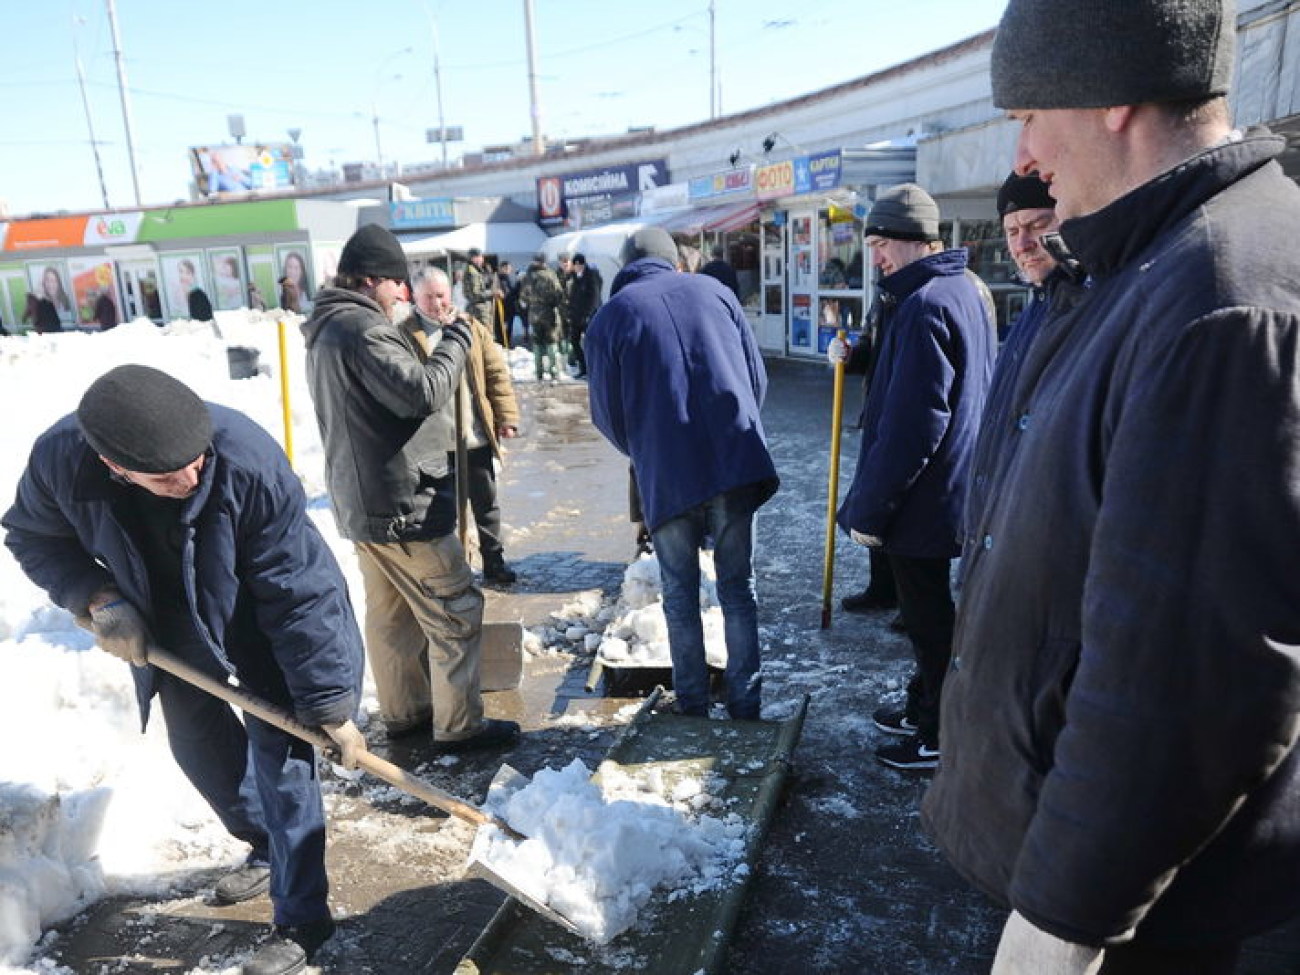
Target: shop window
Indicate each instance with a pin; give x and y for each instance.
(839, 249)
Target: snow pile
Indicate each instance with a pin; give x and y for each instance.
(638, 635)
(598, 849)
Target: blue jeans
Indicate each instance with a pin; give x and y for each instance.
(261, 783)
(729, 519)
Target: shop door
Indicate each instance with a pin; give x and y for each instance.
(771, 330)
(802, 275)
(140, 298)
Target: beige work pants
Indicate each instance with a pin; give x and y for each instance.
(424, 620)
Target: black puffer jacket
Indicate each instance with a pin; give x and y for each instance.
(1120, 723)
(386, 419)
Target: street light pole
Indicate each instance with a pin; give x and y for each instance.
(713, 62)
(379, 152)
(437, 86)
(90, 124)
(539, 147)
(126, 101)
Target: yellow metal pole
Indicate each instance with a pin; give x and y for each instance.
(505, 325)
(833, 488)
(284, 393)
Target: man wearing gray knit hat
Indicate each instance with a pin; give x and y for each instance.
(1119, 748)
(925, 395)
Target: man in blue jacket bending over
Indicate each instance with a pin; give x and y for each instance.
(676, 383)
(158, 519)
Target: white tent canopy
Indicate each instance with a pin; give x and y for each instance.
(511, 241)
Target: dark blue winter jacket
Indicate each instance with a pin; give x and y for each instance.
(264, 590)
(923, 410)
(676, 383)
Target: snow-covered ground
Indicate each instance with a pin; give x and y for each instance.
(89, 806)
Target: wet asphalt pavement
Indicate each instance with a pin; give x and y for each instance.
(846, 885)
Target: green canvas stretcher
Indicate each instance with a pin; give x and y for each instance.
(684, 936)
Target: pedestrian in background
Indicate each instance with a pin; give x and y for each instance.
(584, 299)
(493, 413)
(542, 294)
(1119, 738)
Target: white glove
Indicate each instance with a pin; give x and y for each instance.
(870, 541)
(351, 742)
(119, 628)
(1027, 950)
(837, 351)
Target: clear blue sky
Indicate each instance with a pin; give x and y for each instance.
(320, 66)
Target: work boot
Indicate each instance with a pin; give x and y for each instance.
(249, 881)
(493, 734)
(496, 570)
(289, 949)
(868, 601)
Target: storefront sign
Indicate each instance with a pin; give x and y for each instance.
(665, 199)
(112, 228)
(733, 183)
(430, 214)
(818, 172)
(614, 186)
(775, 180)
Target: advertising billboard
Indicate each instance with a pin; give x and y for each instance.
(222, 170)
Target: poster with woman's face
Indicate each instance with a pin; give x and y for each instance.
(49, 280)
(92, 277)
(182, 273)
(291, 261)
(227, 278)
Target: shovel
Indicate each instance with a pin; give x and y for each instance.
(394, 775)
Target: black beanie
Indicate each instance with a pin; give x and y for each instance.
(650, 241)
(374, 252)
(904, 212)
(1099, 53)
(1024, 193)
(144, 420)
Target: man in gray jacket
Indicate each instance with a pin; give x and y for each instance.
(1120, 722)
(387, 421)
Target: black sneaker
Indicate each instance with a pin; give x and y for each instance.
(289, 949)
(910, 754)
(894, 721)
(249, 881)
(868, 602)
(397, 730)
(493, 734)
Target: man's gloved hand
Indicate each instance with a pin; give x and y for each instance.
(1027, 950)
(838, 351)
(870, 541)
(351, 742)
(119, 628)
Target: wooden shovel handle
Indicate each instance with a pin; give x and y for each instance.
(376, 766)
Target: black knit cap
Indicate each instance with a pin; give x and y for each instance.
(1099, 53)
(904, 212)
(374, 252)
(1024, 193)
(650, 241)
(142, 419)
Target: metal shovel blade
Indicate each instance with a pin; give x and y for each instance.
(504, 784)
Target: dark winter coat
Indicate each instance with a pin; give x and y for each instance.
(263, 588)
(386, 419)
(584, 296)
(676, 383)
(1060, 288)
(923, 409)
(1121, 717)
(478, 288)
(200, 306)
